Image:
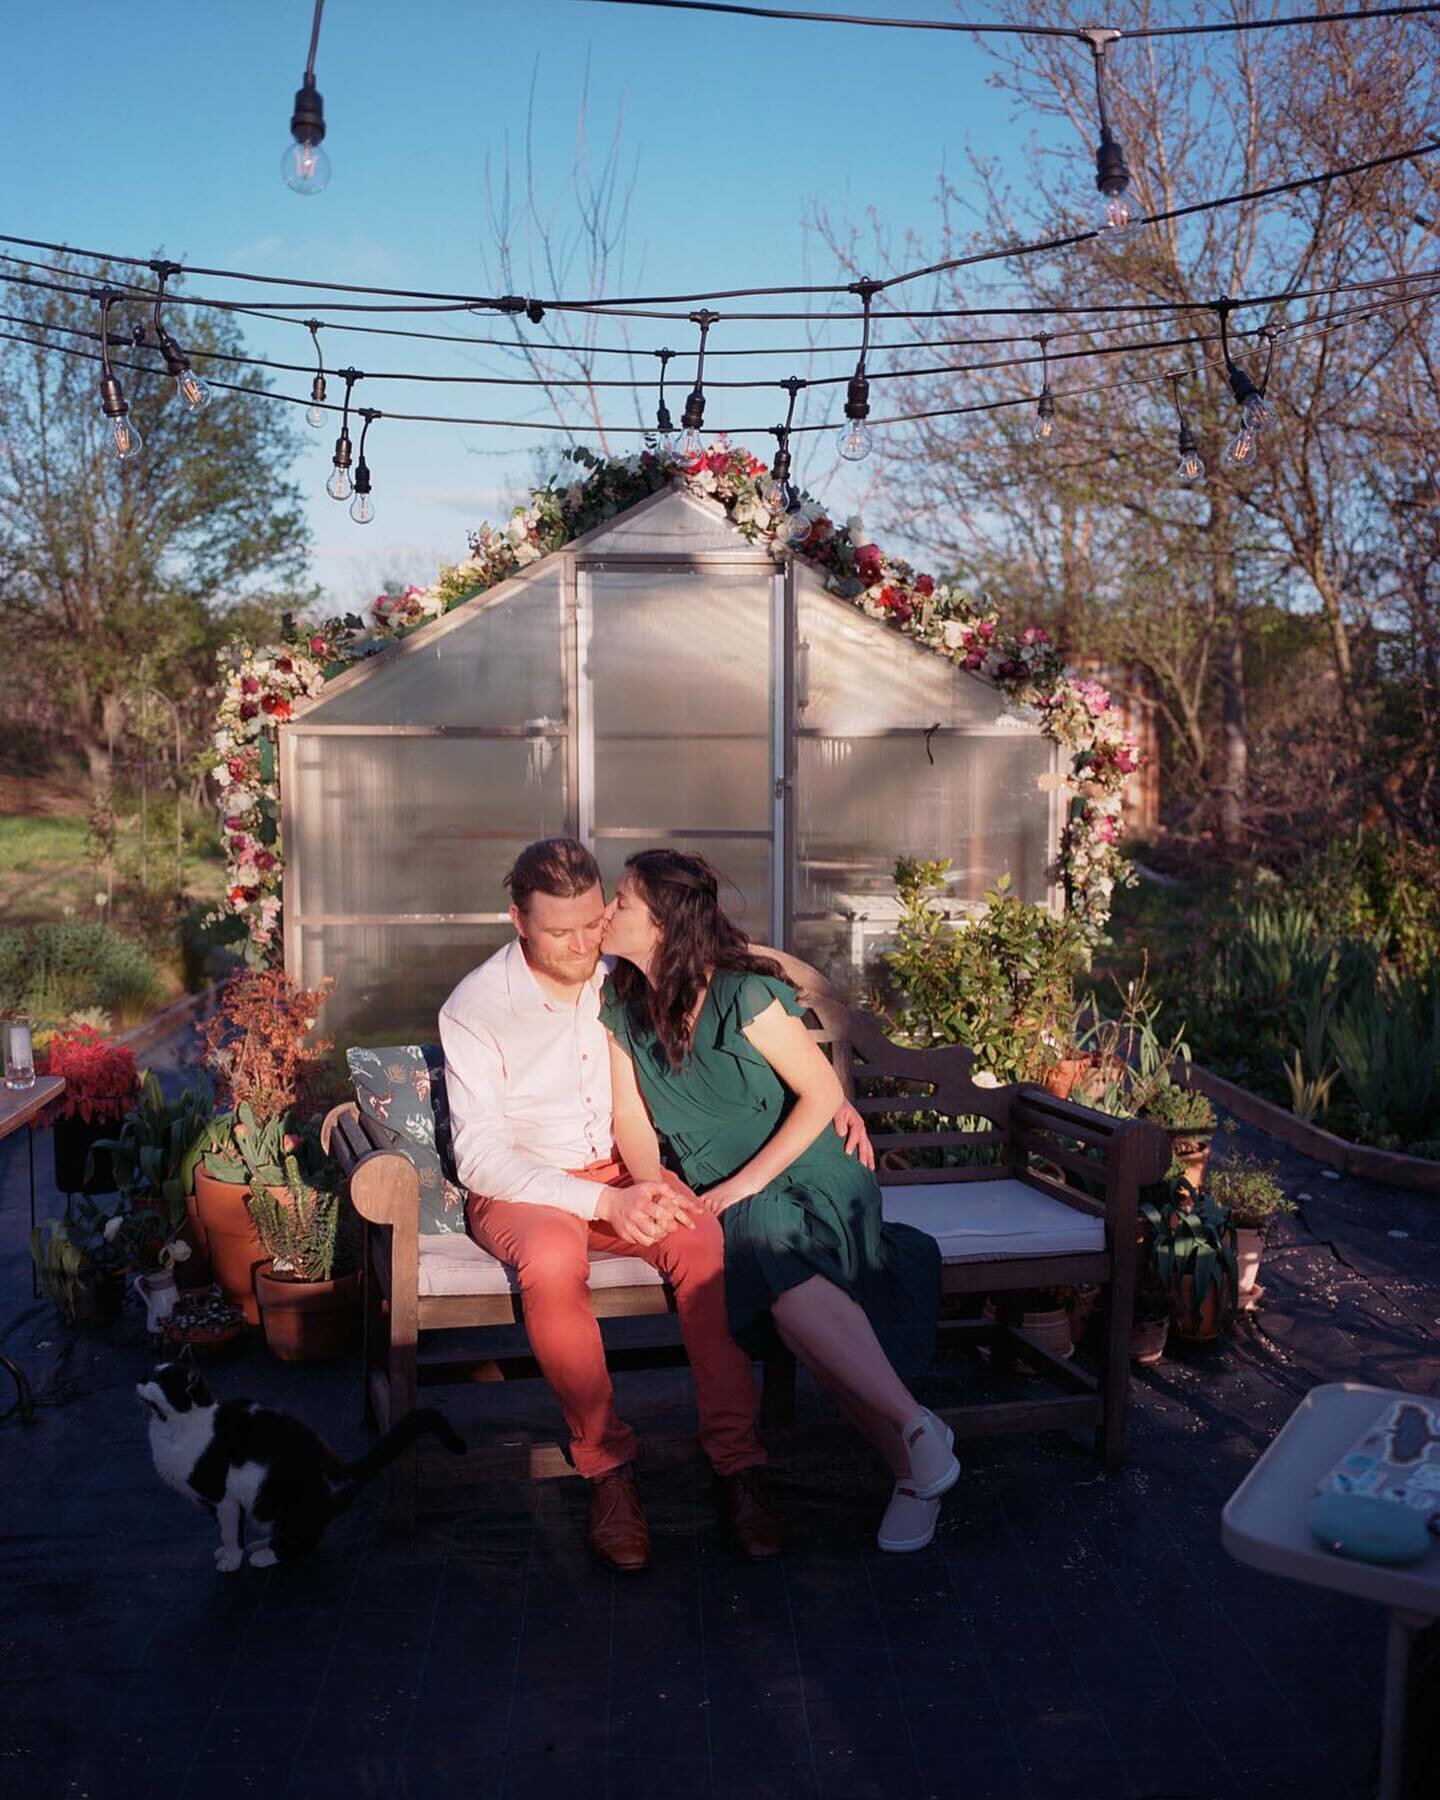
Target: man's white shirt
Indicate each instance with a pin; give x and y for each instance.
(528, 1079)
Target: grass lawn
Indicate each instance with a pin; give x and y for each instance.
(46, 871)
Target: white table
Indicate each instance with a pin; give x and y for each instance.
(1266, 1524)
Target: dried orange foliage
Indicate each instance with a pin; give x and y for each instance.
(259, 1048)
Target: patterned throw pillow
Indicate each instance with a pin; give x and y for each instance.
(402, 1088)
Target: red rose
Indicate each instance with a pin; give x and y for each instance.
(234, 822)
(284, 664)
(902, 610)
(868, 563)
(264, 859)
(276, 705)
(248, 709)
(317, 646)
(236, 893)
(892, 598)
(925, 584)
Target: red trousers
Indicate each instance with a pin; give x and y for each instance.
(550, 1252)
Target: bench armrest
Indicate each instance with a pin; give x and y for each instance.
(384, 1187)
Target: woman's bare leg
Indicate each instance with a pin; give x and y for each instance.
(830, 1334)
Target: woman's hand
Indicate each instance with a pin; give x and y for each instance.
(725, 1194)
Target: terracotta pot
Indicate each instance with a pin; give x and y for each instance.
(1049, 1329)
(1061, 1079)
(1248, 1246)
(1087, 1297)
(194, 1272)
(307, 1320)
(1147, 1340)
(1191, 1149)
(235, 1249)
(1098, 1075)
(1212, 1318)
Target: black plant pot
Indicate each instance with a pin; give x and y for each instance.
(73, 1139)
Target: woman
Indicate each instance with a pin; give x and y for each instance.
(708, 1051)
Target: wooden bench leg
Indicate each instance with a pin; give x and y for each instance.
(777, 1394)
(401, 1391)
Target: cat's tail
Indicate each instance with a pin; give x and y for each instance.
(425, 1422)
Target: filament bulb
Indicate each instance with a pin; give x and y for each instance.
(854, 440)
(1257, 412)
(691, 444)
(125, 440)
(305, 168)
(362, 509)
(1190, 469)
(1244, 448)
(338, 487)
(192, 390)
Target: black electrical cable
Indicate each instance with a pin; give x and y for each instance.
(1300, 333)
(1226, 26)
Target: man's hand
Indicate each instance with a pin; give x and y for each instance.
(850, 1126)
(646, 1211)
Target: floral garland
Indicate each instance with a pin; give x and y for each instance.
(263, 684)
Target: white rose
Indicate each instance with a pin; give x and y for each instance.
(518, 530)
(527, 553)
(953, 633)
(179, 1251)
(112, 1229)
(855, 525)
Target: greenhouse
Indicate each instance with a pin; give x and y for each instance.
(660, 680)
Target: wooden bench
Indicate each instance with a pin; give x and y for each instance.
(1055, 1204)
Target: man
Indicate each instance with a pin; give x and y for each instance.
(528, 1076)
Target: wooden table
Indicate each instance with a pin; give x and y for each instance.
(23, 1106)
(1266, 1524)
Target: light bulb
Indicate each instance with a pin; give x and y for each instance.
(362, 509)
(192, 390)
(124, 438)
(1044, 427)
(305, 168)
(1119, 215)
(666, 446)
(798, 525)
(1244, 448)
(1257, 412)
(690, 445)
(853, 440)
(1190, 468)
(772, 494)
(338, 487)
(315, 416)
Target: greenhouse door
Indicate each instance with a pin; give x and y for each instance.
(678, 742)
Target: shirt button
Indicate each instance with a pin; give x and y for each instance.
(584, 1056)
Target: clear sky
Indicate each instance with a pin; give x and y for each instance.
(159, 126)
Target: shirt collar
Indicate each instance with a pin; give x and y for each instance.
(526, 993)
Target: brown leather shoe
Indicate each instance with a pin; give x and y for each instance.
(745, 1513)
(619, 1536)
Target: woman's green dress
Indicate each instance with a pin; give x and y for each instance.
(820, 1217)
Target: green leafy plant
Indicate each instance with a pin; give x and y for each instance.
(51, 971)
(1387, 1044)
(1179, 1109)
(241, 1148)
(1001, 984)
(1249, 1190)
(154, 1157)
(1191, 1235)
(298, 1231)
(74, 1253)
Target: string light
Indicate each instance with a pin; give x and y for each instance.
(362, 507)
(691, 443)
(1118, 215)
(339, 486)
(1044, 427)
(1256, 412)
(191, 389)
(315, 412)
(664, 424)
(854, 440)
(304, 166)
(779, 492)
(124, 438)
(1191, 466)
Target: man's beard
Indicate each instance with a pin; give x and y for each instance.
(575, 968)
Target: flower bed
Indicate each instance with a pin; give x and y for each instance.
(264, 683)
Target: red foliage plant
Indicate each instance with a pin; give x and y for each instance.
(258, 1045)
(100, 1077)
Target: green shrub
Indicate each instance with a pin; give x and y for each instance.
(52, 971)
(1001, 984)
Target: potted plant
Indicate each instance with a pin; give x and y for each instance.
(267, 1071)
(1042, 1313)
(204, 1323)
(153, 1157)
(1251, 1191)
(100, 1085)
(1192, 1243)
(1151, 1327)
(81, 1259)
(1187, 1116)
(307, 1309)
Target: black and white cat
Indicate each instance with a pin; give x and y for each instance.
(245, 1462)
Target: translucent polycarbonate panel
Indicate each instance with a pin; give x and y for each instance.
(391, 980)
(743, 865)
(853, 673)
(416, 825)
(836, 949)
(679, 524)
(865, 801)
(680, 671)
(501, 664)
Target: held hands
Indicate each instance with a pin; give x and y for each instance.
(647, 1211)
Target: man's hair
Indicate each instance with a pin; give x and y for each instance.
(560, 866)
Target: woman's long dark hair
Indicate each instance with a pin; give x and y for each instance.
(696, 938)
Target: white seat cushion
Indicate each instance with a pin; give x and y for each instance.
(451, 1264)
(987, 1221)
(972, 1221)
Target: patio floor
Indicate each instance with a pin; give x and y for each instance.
(1069, 1633)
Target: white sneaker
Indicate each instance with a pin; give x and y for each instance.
(910, 1520)
(934, 1467)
